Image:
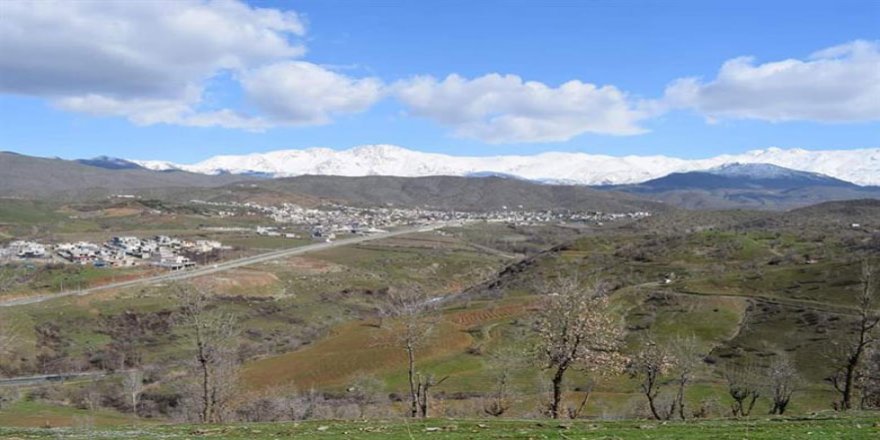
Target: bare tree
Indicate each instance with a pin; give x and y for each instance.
(650, 365)
(131, 334)
(12, 277)
(10, 339)
(744, 387)
(869, 380)
(133, 386)
(850, 353)
(657, 365)
(423, 386)
(783, 379)
(365, 391)
(574, 412)
(212, 336)
(576, 330)
(687, 360)
(502, 364)
(412, 329)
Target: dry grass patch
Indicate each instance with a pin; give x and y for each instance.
(363, 347)
(354, 347)
(235, 279)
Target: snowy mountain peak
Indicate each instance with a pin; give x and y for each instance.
(857, 166)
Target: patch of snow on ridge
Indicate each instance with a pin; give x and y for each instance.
(857, 166)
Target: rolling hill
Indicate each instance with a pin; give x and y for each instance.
(37, 177)
(451, 192)
(748, 186)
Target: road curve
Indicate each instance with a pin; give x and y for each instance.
(220, 267)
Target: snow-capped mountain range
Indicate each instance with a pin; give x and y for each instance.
(861, 167)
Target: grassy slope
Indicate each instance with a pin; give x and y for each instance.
(37, 414)
(722, 281)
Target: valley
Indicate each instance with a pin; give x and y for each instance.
(607, 220)
(749, 287)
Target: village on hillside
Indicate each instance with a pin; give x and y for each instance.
(289, 221)
(335, 217)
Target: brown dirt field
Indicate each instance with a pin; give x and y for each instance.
(571, 254)
(237, 278)
(87, 301)
(120, 212)
(311, 266)
(354, 347)
(471, 318)
(361, 347)
(421, 242)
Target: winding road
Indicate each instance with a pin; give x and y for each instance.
(224, 266)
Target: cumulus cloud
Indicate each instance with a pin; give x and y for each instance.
(298, 92)
(504, 108)
(160, 111)
(151, 62)
(145, 60)
(838, 84)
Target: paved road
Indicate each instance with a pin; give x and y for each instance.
(49, 378)
(220, 267)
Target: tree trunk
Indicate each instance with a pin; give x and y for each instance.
(849, 379)
(423, 399)
(680, 398)
(652, 406)
(557, 392)
(206, 392)
(413, 391)
(577, 413)
(779, 407)
(206, 378)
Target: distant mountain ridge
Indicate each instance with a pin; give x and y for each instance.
(110, 163)
(27, 176)
(735, 185)
(744, 176)
(861, 167)
(52, 178)
(448, 192)
(752, 186)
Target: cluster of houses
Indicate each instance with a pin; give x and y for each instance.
(272, 231)
(335, 218)
(161, 251)
(24, 249)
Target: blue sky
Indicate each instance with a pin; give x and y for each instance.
(348, 73)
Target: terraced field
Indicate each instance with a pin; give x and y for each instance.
(362, 347)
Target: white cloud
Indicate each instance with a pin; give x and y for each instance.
(298, 92)
(504, 108)
(160, 111)
(838, 84)
(145, 60)
(151, 61)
